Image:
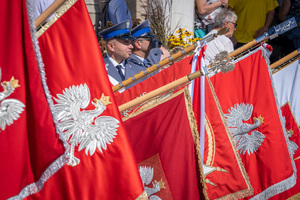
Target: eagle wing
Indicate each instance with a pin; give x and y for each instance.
(99, 135)
(69, 103)
(238, 114)
(146, 174)
(10, 110)
(68, 108)
(250, 143)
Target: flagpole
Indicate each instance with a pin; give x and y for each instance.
(47, 13)
(243, 48)
(154, 67)
(285, 59)
(167, 60)
(160, 90)
(272, 33)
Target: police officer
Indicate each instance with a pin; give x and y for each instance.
(146, 48)
(118, 43)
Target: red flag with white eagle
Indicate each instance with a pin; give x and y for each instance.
(165, 141)
(286, 81)
(224, 174)
(31, 150)
(101, 162)
(247, 99)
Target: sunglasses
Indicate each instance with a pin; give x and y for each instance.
(235, 24)
(144, 39)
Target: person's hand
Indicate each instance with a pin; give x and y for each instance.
(224, 3)
(260, 32)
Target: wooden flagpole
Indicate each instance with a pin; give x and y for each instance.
(160, 90)
(165, 61)
(48, 12)
(285, 59)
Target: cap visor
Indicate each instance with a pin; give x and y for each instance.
(125, 37)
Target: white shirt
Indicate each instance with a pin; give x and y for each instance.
(115, 63)
(221, 43)
(39, 6)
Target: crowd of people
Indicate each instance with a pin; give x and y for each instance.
(245, 21)
(132, 50)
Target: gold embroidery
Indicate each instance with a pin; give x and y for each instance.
(249, 190)
(105, 100)
(210, 139)
(260, 119)
(160, 183)
(143, 196)
(58, 13)
(13, 82)
(193, 125)
(291, 132)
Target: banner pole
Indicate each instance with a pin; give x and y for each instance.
(160, 90)
(166, 61)
(48, 12)
(284, 59)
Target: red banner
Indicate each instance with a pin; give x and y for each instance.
(294, 137)
(31, 150)
(104, 164)
(230, 178)
(174, 72)
(163, 142)
(247, 100)
(226, 176)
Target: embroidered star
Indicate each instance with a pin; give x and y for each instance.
(13, 82)
(260, 119)
(105, 100)
(161, 184)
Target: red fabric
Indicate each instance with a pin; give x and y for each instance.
(250, 83)
(72, 56)
(291, 125)
(30, 144)
(165, 130)
(220, 142)
(174, 72)
(158, 175)
(220, 152)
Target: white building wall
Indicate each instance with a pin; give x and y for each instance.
(183, 14)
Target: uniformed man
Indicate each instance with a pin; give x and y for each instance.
(146, 48)
(118, 43)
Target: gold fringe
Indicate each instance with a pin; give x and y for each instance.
(58, 13)
(295, 197)
(193, 125)
(194, 129)
(249, 190)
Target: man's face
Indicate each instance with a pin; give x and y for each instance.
(121, 49)
(144, 42)
(142, 47)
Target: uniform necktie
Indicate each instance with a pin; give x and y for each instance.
(119, 68)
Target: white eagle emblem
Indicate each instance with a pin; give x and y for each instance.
(240, 130)
(84, 127)
(146, 174)
(10, 109)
